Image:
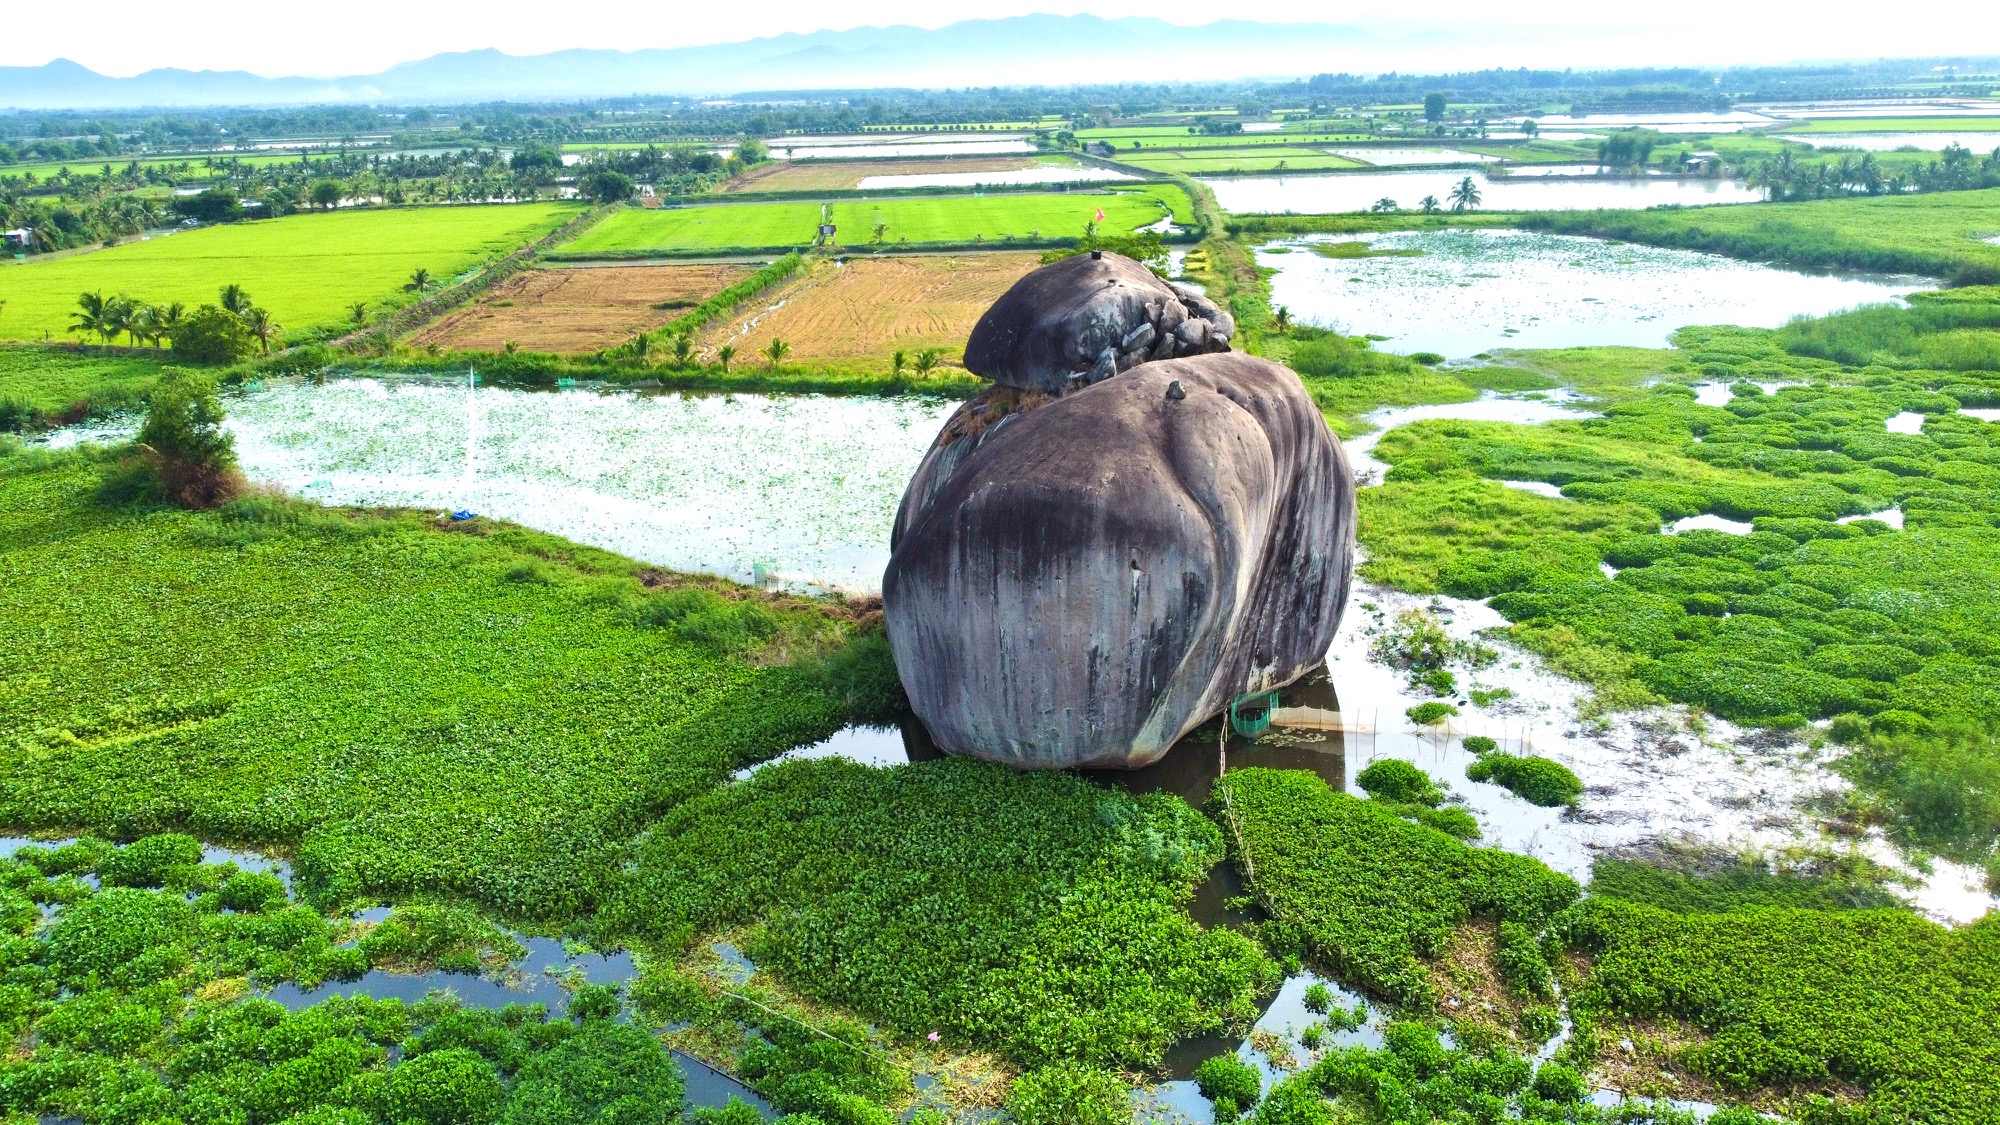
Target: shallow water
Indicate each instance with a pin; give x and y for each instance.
(1411, 157)
(1039, 175)
(819, 149)
(1358, 191)
(1707, 522)
(1730, 121)
(1981, 143)
(1489, 407)
(1473, 291)
(1908, 422)
(798, 491)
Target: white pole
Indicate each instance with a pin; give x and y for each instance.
(471, 429)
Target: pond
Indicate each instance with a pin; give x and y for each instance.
(1045, 174)
(798, 491)
(1358, 191)
(1399, 157)
(1521, 289)
(832, 148)
(1981, 143)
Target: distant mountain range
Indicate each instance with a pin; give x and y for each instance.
(1019, 50)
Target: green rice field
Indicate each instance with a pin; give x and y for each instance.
(306, 269)
(946, 219)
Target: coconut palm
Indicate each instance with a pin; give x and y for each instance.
(927, 361)
(897, 361)
(641, 345)
(1464, 195)
(420, 280)
(169, 319)
(723, 355)
(359, 312)
(683, 349)
(235, 299)
(261, 325)
(775, 352)
(1282, 319)
(1384, 204)
(1428, 204)
(144, 324)
(89, 316)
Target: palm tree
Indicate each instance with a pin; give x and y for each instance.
(927, 361)
(169, 318)
(1464, 196)
(641, 344)
(359, 311)
(235, 299)
(683, 349)
(120, 313)
(420, 280)
(1282, 319)
(1383, 204)
(260, 324)
(896, 363)
(723, 355)
(1428, 204)
(775, 352)
(89, 316)
(145, 324)
(881, 231)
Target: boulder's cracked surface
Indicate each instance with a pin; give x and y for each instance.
(1083, 319)
(1080, 580)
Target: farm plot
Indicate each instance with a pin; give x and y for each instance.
(567, 311)
(306, 269)
(1269, 159)
(845, 175)
(943, 219)
(869, 308)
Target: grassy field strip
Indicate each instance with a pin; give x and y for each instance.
(915, 219)
(306, 269)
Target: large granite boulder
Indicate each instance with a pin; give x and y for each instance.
(1080, 580)
(1085, 318)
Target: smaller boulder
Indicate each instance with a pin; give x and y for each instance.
(1086, 318)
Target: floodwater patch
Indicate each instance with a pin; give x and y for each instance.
(1472, 291)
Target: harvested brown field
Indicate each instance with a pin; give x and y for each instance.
(785, 175)
(569, 311)
(872, 307)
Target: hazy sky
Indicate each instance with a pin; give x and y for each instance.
(123, 37)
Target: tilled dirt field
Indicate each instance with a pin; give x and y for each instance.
(872, 307)
(569, 311)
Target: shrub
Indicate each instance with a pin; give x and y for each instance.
(1067, 1093)
(1392, 779)
(212, 335)
(1228, 1076)
(1539, 781)
(1428, 359)
(1479, 744)
(149, 861)
(183, 442)
(1521, 962)
(1295, 1101)
(1427, 714)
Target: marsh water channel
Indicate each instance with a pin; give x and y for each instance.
(1461, 292)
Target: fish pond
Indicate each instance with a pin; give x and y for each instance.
(1333, 192)
(1524, 289)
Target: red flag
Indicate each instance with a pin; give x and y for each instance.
(1100, 214)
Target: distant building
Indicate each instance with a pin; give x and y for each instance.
(18, 240)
